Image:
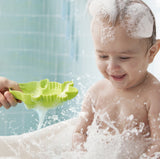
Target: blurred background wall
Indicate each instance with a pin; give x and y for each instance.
(44, 39)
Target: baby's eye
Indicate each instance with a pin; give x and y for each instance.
(124, 58)
(103, 56)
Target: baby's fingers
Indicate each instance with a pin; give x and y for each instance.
(9, 97)
(4, 101)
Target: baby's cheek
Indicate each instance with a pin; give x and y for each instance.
(136, 69)
(100, 64)
(132, 67)
(134, 64)
(102, 68)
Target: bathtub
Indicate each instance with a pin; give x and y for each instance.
(44, 143)
(55, 142)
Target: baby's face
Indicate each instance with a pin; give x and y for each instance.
(120, 58)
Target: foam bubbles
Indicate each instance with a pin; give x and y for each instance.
(140, 21)
(134, 16)
(104, 7)
(128, 144)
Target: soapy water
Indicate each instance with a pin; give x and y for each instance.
(101, 143)
(55, 142)
(134, 16)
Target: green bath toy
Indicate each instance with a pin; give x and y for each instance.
(44, 93)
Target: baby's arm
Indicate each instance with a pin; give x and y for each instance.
(154, 123)
(85, 119)
(6, 98)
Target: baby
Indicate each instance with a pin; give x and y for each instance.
(128, 97)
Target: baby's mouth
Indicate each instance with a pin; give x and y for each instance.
(118, 77)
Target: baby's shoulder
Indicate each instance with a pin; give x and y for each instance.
(95, 91)
(153, 84)
(153, 90)
(153, 97)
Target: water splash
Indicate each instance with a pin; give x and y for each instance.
(55, 141)
(41, 111)
(128, 144)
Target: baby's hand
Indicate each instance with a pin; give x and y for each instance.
(6, 98)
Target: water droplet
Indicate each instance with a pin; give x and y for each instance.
(131, 117)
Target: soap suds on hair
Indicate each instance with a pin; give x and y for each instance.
(140, 21)
(104, 7)
(103, 31)
(133, 15)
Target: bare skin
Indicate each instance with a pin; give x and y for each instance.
(128, 89)
(119, 105)
(6, 98)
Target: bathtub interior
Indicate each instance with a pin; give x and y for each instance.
(49, 39)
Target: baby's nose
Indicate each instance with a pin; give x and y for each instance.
(113, 66)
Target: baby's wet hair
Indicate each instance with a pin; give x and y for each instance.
(134, 15)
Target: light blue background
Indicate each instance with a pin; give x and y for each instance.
(44, 39)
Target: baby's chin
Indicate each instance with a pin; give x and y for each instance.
(123, 85)
(120, 86)
(116, 85)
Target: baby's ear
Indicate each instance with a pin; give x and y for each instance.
(154, 50)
